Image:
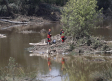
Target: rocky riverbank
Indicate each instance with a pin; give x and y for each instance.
(84, 46)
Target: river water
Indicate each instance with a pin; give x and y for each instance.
(16, 44)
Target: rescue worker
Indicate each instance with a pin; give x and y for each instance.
(49, 36)
(61, 31)
(62, 36)
(63, 63)
(49, 64)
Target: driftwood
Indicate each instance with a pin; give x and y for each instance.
(101, 52)
(14, 22)
(47, 77)
(27, 31)
(38, 44)
(5, 17)
(4, 28)
(2, 36)
(108, 41)
(38, 54)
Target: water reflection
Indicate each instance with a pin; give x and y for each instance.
(52, 72)
(49, 64)
(62, 63)
(79, 70)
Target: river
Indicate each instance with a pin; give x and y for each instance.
(16, 44)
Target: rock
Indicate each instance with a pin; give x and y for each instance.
(63, 48)
(81, 51)
(89, 42)
(27, 31)
(2, 36)
(98, 60)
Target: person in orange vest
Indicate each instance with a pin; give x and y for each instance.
(49, 36)
(63, 63)
(49, 64)
(62, 36)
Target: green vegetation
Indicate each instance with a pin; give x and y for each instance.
(25, 7)
(33, 7)
(78, 17)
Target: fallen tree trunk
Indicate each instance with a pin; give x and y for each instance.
(38, 44)
(5, 17)
(14, 22)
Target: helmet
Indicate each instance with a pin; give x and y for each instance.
(62, 58)
(49, 29)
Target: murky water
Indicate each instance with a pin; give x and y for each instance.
(16, 44)
(105, 33)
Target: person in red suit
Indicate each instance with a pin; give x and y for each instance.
(61, 31)
(49, 36)
(62, 36)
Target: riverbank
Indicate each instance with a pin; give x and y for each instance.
(23, 22)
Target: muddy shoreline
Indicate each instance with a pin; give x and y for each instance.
(23, 22)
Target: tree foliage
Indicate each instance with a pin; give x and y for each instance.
(32, 7)
(78, 16)
(25, 7)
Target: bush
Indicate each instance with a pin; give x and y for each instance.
(79, 16)
(71, 47)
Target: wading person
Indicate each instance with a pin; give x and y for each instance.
(49, 37)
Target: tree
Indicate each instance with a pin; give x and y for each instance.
(9, 8)
(78, 16)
